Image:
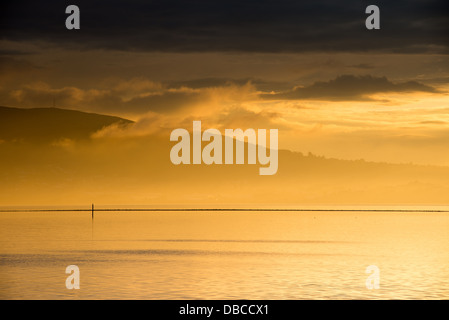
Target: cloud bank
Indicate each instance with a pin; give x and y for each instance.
(349, 87)
(232, 25)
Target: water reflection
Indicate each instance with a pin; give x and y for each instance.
(212, 255)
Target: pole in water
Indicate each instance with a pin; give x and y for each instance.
(92, 221)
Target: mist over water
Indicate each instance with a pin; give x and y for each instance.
(224, 255)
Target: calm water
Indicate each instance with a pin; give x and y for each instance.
(224, 255)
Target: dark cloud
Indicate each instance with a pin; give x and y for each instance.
(208, 82)
(11, 65)
(162, 103)
(14, 70)
(349, 87)
(12, 52)
(259, 84)
(232, 25)
(42, 95)
(437, 80)
(363, 66)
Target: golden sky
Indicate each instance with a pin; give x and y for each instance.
(370, 106)
(328, 85)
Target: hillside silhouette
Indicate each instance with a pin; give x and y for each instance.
(138, 170)
(49, 124)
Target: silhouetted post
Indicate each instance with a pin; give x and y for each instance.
(92, 221)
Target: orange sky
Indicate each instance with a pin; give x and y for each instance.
(333, 90)
(240, 90)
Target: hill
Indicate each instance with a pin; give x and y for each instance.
(137, 170)
(49, 124)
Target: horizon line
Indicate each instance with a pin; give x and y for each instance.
(220, 210)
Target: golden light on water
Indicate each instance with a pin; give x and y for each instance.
(233, 255)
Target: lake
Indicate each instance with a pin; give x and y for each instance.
(224, 255)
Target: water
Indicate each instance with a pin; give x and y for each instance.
(224, 255)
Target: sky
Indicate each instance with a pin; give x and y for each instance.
(309, 69)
